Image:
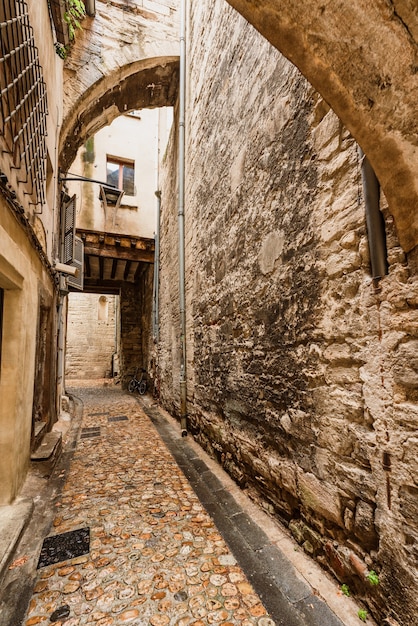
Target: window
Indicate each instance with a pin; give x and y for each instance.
(121, 174)
(68, 228)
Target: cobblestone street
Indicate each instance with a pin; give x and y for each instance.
(155, 555)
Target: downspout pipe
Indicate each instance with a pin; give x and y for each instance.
(156, 295)
(90, 6)
(374, 220)
(181, 229)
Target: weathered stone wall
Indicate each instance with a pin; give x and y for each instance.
(92, 331)
(101, 325)
(135, 311)
(341, 48)
(302, 376)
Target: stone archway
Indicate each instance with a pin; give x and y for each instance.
(362, 58)
(145, 84)
(125, 58)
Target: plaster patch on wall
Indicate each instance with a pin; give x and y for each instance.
(270, 251)
(237, 170)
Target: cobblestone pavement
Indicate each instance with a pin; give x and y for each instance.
(156, 557)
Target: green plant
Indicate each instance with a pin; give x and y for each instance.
(74, 14)
(362, 614)
(345, 590)
(61, 50)
(372, 577)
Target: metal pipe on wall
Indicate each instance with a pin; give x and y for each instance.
(374, 219)
(90, 6)
(156, 285)
(181, 184)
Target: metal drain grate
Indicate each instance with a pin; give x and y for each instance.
(93, 431)
(64, 547)
(117, 418)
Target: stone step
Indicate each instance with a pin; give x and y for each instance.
(38, 434)
(47, 453)
(13, 520)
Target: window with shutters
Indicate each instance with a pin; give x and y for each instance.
(68, 229)
(72, 247)
(23, 102)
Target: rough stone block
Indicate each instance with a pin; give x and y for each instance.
(408, 496)
(405, 369)
(339, 264)
(364, 527)
(283, 473)
(321, 498)
(342, 375)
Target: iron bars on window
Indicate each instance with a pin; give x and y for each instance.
(23, 101)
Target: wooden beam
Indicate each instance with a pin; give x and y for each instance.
(112, 252)
(101, 267)
(127, 269)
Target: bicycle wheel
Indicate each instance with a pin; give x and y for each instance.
(132, 385)
(142, 387)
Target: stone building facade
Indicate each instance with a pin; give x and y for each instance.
(32, 98)
(108, 333)
(92, 336)
(301, 370)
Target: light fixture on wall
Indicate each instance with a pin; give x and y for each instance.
(109, 194)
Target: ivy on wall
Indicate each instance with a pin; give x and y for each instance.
(73, 15)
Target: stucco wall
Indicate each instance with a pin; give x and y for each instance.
(28, 246)
(26, 286)
(302, 378)
(133, 138)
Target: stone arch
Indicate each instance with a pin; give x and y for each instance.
(362, 57)
(147, 83)
(126, 57)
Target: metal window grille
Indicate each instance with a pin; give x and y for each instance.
(23, 102)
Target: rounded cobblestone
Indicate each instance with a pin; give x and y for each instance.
(156, 557)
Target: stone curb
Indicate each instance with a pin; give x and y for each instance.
(288, 599)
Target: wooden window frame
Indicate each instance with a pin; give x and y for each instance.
(121, 163)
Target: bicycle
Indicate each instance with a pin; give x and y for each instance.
(138, 384)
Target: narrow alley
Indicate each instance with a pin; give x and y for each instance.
(144, 547)
(219, 197)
